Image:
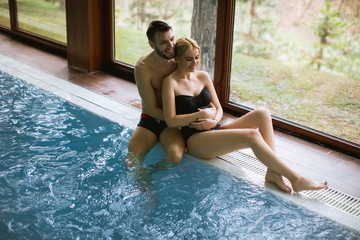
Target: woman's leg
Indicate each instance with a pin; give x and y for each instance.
(261, 119)
(257, 119)
(210, 144)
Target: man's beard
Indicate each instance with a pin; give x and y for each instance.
(161, 54)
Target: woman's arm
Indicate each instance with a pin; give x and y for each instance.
(208, 123)
(204, 76)
(169, 109)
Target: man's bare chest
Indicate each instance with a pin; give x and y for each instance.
(158, 77)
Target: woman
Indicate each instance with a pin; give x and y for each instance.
(187, 96)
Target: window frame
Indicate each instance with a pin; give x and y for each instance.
(225, 22)
(111, 65)
(32, 38)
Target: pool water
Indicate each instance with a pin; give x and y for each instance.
(63, 175)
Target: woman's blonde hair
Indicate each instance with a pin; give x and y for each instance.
(183, 46)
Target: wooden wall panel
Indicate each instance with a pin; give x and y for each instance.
(85, 34)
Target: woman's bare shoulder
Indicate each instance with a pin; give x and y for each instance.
(202, 73)
(203, 76)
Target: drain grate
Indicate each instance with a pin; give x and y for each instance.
(337, 199)
(346, 204)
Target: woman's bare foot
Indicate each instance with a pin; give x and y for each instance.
(303, 184)
(275, 178)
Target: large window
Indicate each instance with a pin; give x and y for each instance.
(301, 60)
(43, 17)
(38, 20)
(4, 13)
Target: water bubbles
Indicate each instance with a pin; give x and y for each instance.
(10, 225)
(14, 121)
(29, 170)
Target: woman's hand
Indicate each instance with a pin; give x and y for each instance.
(203, 124)
(209, 112)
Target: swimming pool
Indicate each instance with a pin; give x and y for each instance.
(63, 176)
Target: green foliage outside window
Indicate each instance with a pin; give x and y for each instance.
(4, 13)
(43, 17)
(304, 68)
(336, 49)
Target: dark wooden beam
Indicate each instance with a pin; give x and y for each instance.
(85, 34)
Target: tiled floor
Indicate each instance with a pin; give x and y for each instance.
(313, 161)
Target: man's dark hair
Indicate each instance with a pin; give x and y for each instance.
(156, 26)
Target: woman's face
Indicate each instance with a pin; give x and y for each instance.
(192, 59)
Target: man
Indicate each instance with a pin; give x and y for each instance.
(150, 71)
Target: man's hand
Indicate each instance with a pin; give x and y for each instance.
(203, 124)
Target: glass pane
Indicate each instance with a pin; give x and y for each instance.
(43, 17)
(301, 60)
(4, 13)
(133, 16)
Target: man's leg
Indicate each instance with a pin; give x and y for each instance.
(141, 141)
(173, 144)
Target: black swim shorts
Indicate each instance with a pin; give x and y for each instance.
(152, 124)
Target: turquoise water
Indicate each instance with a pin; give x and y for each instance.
(63, 176)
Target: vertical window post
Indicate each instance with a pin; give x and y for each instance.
(13, 18)
(86, 34)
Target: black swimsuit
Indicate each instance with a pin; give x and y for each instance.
(186, 104)
(152, 124)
